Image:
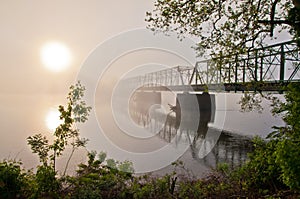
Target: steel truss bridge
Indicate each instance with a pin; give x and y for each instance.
(263, 69)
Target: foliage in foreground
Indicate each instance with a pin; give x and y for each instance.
(95, 179)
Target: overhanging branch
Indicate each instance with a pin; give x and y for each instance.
(274, 22)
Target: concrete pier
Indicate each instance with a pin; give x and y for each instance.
(187, 109)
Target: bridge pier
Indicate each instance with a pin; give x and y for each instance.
(186, 110)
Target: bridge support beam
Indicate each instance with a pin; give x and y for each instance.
(282, 61)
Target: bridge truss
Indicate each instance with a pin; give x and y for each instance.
(264, 69)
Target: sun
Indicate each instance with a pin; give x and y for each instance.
(55, 56)
(52, 119)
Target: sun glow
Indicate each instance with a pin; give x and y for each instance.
(55, 56)
(52, 119)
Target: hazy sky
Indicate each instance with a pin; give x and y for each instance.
(81, 25)
(28, 90)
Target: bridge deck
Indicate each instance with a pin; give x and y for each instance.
(227, 87)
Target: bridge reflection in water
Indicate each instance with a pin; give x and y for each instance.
(176, 126)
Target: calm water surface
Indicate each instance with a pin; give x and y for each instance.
(208, 146)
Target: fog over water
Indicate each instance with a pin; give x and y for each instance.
(13, 141)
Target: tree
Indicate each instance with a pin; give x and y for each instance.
(288, 148)
(274, 164)
(226, 27)
(66, 133)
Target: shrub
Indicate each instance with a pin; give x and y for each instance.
(14, 181)
(47, 185)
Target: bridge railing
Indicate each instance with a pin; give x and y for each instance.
(276, 63)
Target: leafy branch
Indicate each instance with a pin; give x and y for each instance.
(66, 133)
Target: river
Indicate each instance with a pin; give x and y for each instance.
(208, 146)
